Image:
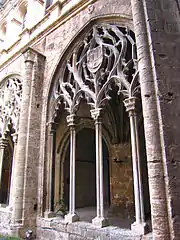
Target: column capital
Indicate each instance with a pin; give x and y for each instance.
(131, 104)
(29, 55)
(71, 120)
(3, 143)
(96, 113)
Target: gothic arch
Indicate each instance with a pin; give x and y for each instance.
(122, 21)
(102, 61)
(10, 101)
(10, 104)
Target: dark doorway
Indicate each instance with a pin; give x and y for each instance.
(86, 170)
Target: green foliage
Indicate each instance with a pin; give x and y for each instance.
(61, 207)
(9, 238)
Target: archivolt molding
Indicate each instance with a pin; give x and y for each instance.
(105, 58)
(10, 102)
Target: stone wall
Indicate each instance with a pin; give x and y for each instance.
(121, 181)
(156, 25)
(5, 220)
(56, 229)
(157, 36)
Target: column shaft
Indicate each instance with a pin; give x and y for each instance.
(135, 171)
(72, 170)
(99, 220)
(3, 144)
(50, 170)
(21, 145)
(15, 137)
(99, 169)
(72, 216)
(141, 199)
(139, 226)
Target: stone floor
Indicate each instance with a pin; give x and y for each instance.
(88, 213)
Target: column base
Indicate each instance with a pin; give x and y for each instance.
(70, 218)
(9, 208)
(100, 222)
(140, 228)
(49, 214)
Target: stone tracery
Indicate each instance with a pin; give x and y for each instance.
(104, 60)
(10, 100)
(106, 56)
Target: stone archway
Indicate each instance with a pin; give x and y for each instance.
(10, 103)
(104, 60)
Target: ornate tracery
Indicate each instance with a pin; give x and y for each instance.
(10, 99)
(105, 59)
(10, 102)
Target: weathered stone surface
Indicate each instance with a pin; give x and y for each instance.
(5, 220)
(82, 230)
(154, 50)
(156, 26)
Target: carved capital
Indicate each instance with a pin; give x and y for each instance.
(131, 105)
(29, 55)
(15, 137)
(3, 143)
(71, 120)
(96, 113)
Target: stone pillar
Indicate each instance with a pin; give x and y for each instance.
(99, 220)
(72, 216)
(50, 169)
(152, 41)
(139, 225)
(3, 145)
(33, 143)
(18, 180)
(15, 139)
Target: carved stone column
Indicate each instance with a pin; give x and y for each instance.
(72, 216)
(15, 139)
(3, 145)
(99, 220)
(50, 169)
(21, 144)
(139, 225)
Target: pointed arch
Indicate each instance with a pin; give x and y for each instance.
(10, 103)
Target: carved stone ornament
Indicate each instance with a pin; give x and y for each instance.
(94, 59)
(10, 101)
(29, 55)
(105, 58)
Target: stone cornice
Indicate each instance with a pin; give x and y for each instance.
(54, 5)
(65, 15)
